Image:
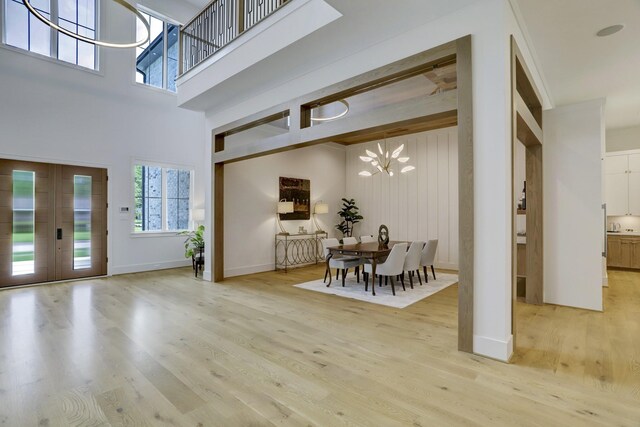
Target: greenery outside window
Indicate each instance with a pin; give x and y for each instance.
(162, 198)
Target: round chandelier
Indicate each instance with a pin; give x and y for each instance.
(385, 162)
(335, 117)
(77, 36)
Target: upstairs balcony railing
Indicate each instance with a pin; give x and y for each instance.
(217, 25)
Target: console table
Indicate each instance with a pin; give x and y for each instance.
(296, 250)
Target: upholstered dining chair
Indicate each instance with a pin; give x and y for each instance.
(349, 241)
(368, 239)
(392, 267)
(340, 263)
(412, 261)
(428, 258)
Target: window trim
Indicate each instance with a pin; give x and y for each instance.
(53, 47)
(165, 49)
(164, 166)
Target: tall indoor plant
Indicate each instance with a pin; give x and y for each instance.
(350, 217)
(194, 241)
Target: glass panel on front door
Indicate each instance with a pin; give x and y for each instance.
(23, 240)
(81, 222)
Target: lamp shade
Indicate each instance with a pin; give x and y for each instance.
(321, 208)
(198, 215)
(285, 207)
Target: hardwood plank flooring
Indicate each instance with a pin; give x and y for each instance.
(164, 348)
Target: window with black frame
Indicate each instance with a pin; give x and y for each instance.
(24, 31)
(162, 197)
(157, 60)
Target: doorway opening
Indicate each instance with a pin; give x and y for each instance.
(443, 108)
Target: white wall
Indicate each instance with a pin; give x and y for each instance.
(623, 139)
(573, 216)
(419, 205)
(626, 222)
(251, 195)
(56, 113)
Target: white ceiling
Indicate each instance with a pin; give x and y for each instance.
(200, 4)
(579, 66)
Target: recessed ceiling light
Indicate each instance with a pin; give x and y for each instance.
(610, 30)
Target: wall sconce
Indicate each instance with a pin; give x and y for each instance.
(284, 207)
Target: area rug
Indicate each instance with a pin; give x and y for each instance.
(384, 296)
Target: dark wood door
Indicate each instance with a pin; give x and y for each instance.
(52, 222)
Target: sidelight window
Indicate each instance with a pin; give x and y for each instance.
(23, 240)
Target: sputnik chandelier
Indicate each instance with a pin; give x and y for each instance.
(77, 36)
(385, 162)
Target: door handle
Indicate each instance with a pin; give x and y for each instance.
(59, 234)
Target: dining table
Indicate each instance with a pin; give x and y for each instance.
(374, 252)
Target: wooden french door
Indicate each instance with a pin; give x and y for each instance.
(53, 222)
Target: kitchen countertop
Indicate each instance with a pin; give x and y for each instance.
(623, 233)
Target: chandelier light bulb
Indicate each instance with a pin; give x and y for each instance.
(407, 169)
(365, 159)
(397, 152)
(403, 160)
(365, 173)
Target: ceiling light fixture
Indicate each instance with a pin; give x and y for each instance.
(337, 116)
(609, 31)
(385, 162)
(90, 40)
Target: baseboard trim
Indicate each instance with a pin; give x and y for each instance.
(138, 268)
(252, 269)
(493, 348)
(206, 275)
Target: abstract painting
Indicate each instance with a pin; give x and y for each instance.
(298, 191)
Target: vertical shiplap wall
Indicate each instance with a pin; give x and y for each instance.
(419, 205)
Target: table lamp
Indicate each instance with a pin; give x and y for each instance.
(319, 209)
(284, 207)
(197, 216)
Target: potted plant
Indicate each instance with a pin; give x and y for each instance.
(194, 241)
(350, 216)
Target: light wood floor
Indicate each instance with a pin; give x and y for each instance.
(165, 348)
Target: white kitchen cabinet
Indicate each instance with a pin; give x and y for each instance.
(616, 164)
(634, 163)
(622, 184)
(616, 192)
(634, 193)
